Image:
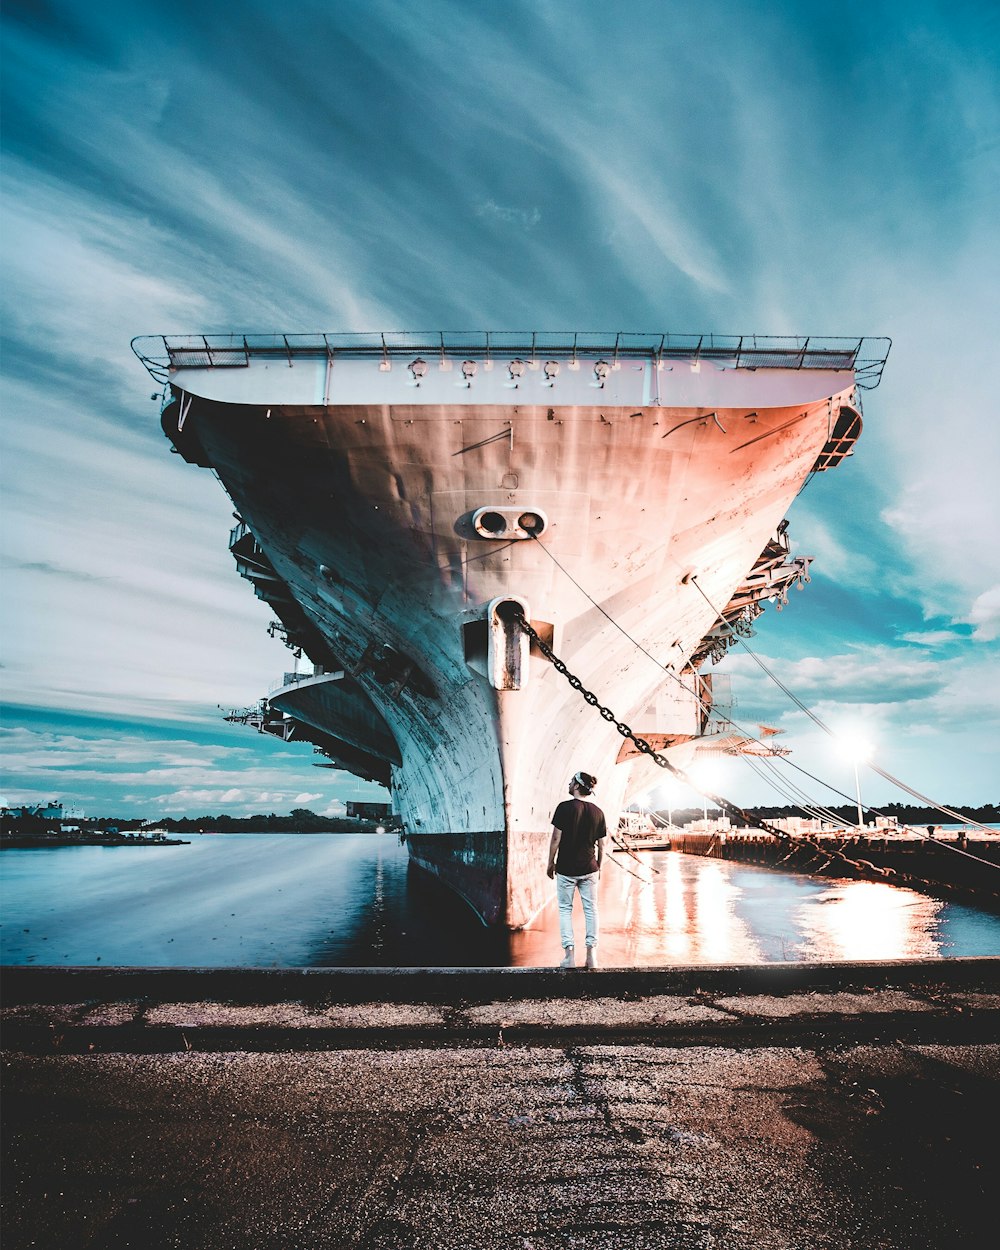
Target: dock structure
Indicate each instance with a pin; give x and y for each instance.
(784, 1106)
(959, 866)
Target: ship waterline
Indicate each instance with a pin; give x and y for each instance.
(402, 511)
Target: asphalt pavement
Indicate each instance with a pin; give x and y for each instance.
(783, 1107)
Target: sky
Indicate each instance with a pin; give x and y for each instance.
(781, 168)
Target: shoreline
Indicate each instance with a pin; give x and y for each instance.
(31, 844)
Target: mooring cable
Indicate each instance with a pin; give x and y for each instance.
(974, 824)
(723, 802)
(705, 707)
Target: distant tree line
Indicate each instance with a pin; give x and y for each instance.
(300, 820)
(27, 824)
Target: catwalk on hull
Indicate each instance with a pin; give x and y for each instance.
(402, 499)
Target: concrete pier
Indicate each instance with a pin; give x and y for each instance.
(913, 860)
(773, 1107)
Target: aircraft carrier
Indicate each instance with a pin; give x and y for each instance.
(407, 502)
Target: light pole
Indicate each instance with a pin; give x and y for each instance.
(858, 750)
(857, 791)
(666, 798)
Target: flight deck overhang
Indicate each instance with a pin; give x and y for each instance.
(512, 369)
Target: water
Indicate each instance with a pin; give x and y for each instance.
(351, 900)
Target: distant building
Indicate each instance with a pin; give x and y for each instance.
(369, 811)
(47, 811)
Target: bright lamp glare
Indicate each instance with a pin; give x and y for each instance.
(707, 774)
(668, 793)
(855, 746)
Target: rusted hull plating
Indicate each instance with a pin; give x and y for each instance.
(500, 875)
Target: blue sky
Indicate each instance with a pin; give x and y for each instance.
(785, 168)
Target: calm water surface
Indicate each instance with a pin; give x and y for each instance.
(350, 900)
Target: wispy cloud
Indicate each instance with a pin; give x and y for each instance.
(375, 165)
(165, 773)
(932, 637)
(525, 218)
(934, 722)
(868, 675)
(985, 615)
(52, 570)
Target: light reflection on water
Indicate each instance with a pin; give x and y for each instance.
(350, 901)
(871, 920)
(687, 910)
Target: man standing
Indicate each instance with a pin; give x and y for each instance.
(575, 855)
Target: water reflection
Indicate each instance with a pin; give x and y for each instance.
(669, 908)
(656, 911)
(353, 901)
(870, 920)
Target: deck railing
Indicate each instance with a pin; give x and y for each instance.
(866, 356)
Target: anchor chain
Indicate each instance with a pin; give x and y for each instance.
(794, 843)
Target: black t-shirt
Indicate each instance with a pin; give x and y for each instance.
(581, 826)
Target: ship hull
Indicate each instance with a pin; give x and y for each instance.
(382, 513)
(500, 874)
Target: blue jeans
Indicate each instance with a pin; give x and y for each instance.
(566, 887)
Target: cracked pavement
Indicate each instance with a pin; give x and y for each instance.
(869, 1126)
